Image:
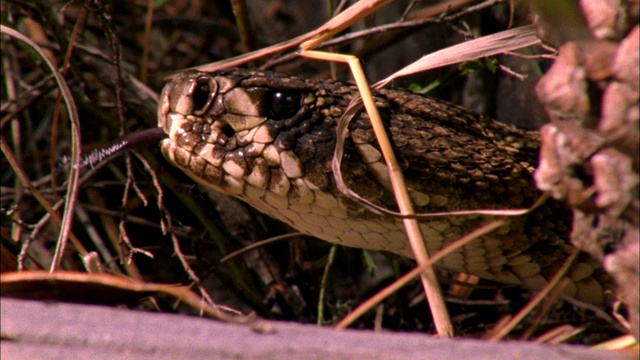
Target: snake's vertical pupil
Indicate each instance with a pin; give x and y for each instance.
(284, 104)
(200, 94)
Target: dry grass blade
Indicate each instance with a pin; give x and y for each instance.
(545, 308)
(485, 47)
(343, 20)
(308, 40)
(380, 296)
(341, 136)
(559, 334)
(24, 179)
(412, 227)
(74, 174)
(259, 244)
(437, 9)
(501, 332)
(37, 282)
(144, 63)
(490, 45)
(619, 343)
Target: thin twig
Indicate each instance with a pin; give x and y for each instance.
(504, 330)
(76, 150)
(376, 299)
(146, 42)
(259, 244)
(324, 283)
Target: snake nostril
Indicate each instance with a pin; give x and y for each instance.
(201, 94)
(227, 130)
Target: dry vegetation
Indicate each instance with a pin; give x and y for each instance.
(138, 217)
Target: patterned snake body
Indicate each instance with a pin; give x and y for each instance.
(269, 139)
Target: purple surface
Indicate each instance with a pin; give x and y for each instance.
(41, 330)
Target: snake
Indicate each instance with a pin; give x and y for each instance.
(269, 139)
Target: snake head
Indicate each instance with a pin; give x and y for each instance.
(237, 131)
(269, 139)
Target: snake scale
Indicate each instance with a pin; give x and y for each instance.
(269, 138)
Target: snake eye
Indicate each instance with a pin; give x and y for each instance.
(284, 104)
(201, 94)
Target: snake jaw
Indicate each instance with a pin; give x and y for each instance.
(195, 141)
(218, 137)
